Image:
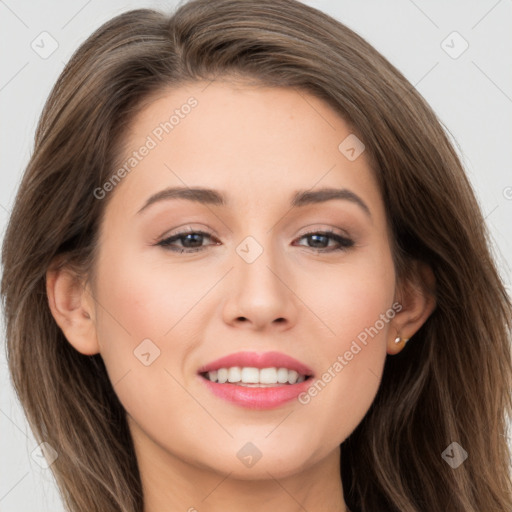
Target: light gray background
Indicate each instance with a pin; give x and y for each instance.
(472, 95)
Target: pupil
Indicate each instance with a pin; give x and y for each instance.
(315, 239)
(196, 235)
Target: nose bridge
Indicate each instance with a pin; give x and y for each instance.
(258, 263)
(259, 293)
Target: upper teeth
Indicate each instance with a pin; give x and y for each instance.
(248, 375)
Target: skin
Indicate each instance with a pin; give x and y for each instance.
(258, 145)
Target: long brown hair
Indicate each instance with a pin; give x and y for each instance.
(450, 384)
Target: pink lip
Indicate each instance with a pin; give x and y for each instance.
(258, 360)
(257, 398)
(253, 397)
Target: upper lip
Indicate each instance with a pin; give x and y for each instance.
(258, 360)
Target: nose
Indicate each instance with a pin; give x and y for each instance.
(260, 293)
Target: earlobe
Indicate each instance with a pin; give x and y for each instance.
(71, 310)
(417, 298)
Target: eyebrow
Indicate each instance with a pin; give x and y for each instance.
(208, 196)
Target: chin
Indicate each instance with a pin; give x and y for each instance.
(262, 460)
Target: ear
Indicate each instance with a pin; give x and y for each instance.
(416, 295)
(71, 306)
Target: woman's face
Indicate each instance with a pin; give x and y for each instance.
(259, 275)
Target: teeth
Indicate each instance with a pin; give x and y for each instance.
(250, 375)
(234, 374)
(282, 375)
(222, 375)
(254, 376)
(268, 376)
(292, 376)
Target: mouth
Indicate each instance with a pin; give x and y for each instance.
(255, 377)
(256, 380)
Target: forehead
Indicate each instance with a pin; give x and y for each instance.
(258, 144)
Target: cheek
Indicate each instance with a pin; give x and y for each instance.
(357, 308)
(145, 335)
(349, 296)
(150, 317)
(147, 301)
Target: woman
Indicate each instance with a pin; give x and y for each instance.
(341, 342)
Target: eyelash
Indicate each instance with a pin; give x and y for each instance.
(345, 243)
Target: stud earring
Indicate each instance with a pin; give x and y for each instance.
(398, 339)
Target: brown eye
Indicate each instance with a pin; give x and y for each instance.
(320, 241)
(191, 241)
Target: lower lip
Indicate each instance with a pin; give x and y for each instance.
(257, 398)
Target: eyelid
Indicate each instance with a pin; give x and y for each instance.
(183, 230)
(318, 228)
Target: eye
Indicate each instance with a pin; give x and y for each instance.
(191, 241)
(321, 241)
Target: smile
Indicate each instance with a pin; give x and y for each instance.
(255, 377)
